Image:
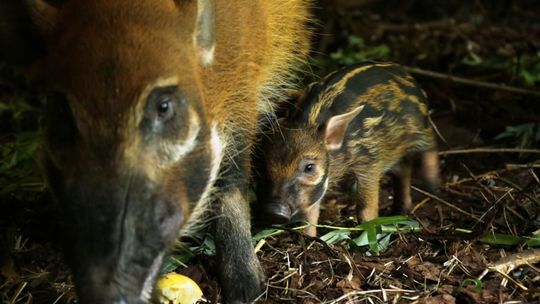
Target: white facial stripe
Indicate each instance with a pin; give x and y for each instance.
(320, 179)
(323, 192)
(177, 151)
(217, 150)
(217, 146)
(315, 203)
(148, 284)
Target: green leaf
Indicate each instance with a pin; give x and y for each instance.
(266, 233)
(384, 241)
(528, 77)
(387, 220)
(405, 226)
(335, 236)
(473, 59)
(372, 238)
(534, 240)
(502, 239)
(208, 247)
(357, 50)
(176, 261)
(477, 284)
(361, 240)
(376, 233)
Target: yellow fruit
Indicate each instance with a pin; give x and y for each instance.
(174, 288)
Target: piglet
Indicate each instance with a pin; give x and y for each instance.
(365, 120)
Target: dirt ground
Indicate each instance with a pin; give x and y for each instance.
(479, 62)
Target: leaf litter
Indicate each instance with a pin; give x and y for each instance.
(476, 240)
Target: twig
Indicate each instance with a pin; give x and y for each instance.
(18, 292)
(521, 166)
(479, 183)
(444, 202)
(490, 150)
(314, 239)
(520, 190)
(534, 176)
(482, 84)
(259, 245)
(368, 292)
(295, 290)
(509, 263)
(494, 173)
(425, 200)
(436, 129)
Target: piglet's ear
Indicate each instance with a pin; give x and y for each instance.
(336, 128)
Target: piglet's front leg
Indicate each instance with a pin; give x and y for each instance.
(312, 217)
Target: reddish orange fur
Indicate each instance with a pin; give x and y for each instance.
(107, 57)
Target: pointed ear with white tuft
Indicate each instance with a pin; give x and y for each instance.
(204, 38)
(336, 128)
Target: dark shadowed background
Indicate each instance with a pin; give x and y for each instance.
(478, 61)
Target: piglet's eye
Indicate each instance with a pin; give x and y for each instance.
(309, 168)
(165, 108)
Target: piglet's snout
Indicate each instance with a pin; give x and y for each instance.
(277, 212)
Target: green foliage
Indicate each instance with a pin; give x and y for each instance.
(201, 244)
(526, 68)
(19, 175)
(375, 234)
(19, 146)
(529, 69)
(534, 240)
(356, 50)
(266, 233)
(526, 135)
(18, 108)
(475, 282)
(500, 239)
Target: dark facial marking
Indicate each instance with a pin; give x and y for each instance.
(166, 114)
(197, 167)
(318, 191)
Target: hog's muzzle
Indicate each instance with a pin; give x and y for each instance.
(118, 230)
(276, 212)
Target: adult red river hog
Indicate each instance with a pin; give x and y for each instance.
(151, 124)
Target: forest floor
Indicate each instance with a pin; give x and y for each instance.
(476, 240)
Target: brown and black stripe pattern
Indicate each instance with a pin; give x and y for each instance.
(387, 122)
